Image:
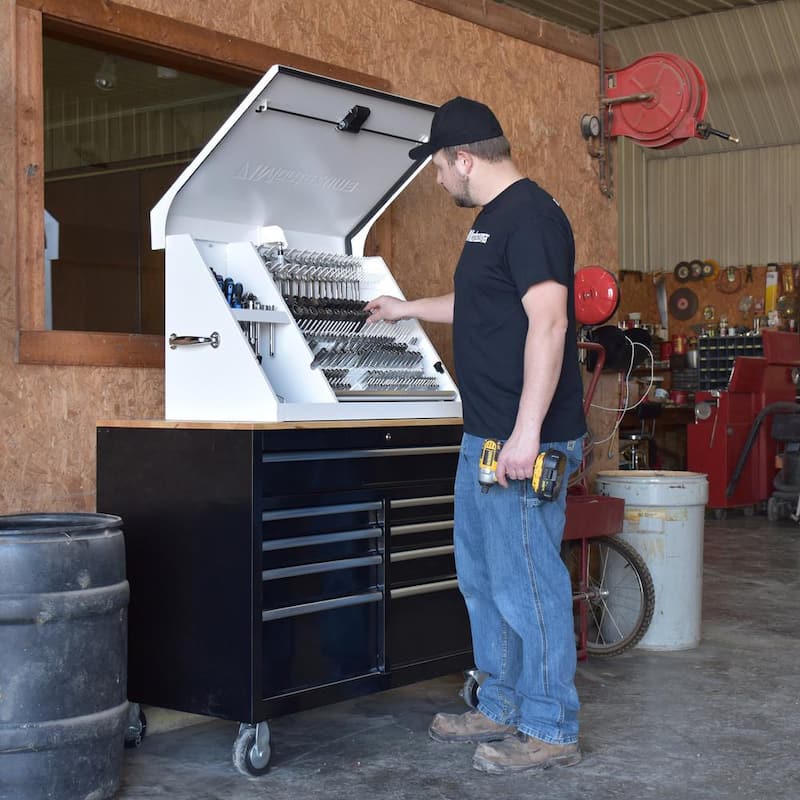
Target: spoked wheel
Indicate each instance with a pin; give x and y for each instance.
(618, 590)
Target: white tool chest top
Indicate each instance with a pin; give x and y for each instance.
(282, 158)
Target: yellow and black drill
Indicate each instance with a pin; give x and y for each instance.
(548, 470)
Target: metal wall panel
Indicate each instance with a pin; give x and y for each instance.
(738, 208)
(631, 192)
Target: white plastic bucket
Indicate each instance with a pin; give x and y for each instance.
(664, 521)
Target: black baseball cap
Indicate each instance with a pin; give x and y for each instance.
(458, 121)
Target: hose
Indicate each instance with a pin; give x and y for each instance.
(772, 408)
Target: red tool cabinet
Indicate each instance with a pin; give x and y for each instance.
(724, 418)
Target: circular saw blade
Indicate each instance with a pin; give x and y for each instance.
(683, 304)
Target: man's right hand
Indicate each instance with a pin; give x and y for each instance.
(386, 308)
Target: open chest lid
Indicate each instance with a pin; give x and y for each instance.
(317, 157)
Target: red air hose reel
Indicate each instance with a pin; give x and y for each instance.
(658, 101)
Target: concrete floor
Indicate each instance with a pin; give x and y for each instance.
(719, 721)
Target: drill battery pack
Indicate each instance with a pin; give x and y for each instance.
(548, 474)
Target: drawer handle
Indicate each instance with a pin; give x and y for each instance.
(414, 502)
(423, 588)
(319, 567)
(319, 511)
(321, 605)
(424, 552)
(321, 538)
(422, 527)
(184, 341)
(378, 452)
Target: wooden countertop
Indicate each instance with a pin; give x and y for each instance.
(260, 426)
(674, 414)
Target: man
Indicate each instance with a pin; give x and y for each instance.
(517, 368)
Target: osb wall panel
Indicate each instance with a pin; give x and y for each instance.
(639, 296)
(49, 435)
(48, 429)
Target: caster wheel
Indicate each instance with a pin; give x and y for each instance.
(720, 513)
(469, 691)
(251, 750)
(773, 509)
(749, 511)
(137, 727)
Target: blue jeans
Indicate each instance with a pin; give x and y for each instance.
(519, 598)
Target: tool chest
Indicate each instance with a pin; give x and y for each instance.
(266, 279)
(274, 568)
(289, 525)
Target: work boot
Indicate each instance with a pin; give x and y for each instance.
(471, 726)
(519, 753)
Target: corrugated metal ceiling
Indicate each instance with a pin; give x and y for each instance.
(583, 15)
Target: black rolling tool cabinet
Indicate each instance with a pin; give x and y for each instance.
(278, 566)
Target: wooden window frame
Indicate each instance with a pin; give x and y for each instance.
(137, 34)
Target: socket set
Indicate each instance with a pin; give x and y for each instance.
(323, 294)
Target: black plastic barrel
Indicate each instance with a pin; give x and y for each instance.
(63, 656)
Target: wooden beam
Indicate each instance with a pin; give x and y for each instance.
(30, 166)
(513, 22)
(82, 349)
(185, 40)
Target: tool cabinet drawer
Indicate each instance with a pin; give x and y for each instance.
(321, 532)
(342, 470)
(421, 521)
(357, 437)
(321, 581)
(317, 647)
(446, 626)
(422, 565)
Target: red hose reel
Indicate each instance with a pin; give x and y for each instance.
(658, 101)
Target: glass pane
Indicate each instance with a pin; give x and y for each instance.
(118, 131)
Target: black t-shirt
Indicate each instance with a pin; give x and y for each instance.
(521, 238)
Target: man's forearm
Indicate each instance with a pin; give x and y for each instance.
(431, 309)
(427, 309)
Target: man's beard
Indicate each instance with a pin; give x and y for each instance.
(462, 196)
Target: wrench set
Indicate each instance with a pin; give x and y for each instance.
(323, 294)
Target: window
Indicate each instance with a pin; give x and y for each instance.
(102, 131)
(117, 132)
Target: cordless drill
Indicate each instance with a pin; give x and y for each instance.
(548, 470)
